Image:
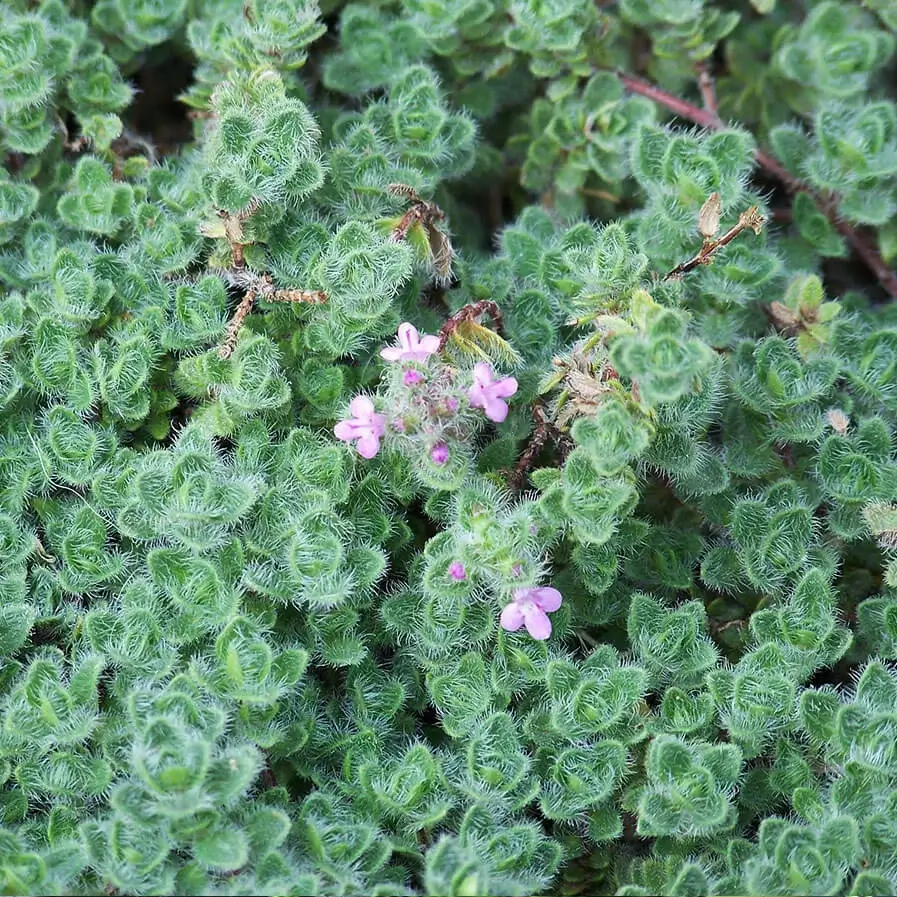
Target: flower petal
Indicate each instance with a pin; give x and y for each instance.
(505, 387)
(547, 598)
(368, 445)
(476, 396)
(537, 623)
(408, 337)
(362, 408)
(496, 409)
(345, 431)
(511, 617)
(378, 424)
(429, 344)
(482, 373)
(391, 353)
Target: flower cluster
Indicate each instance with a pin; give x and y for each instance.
(430, 404)
(434, 410)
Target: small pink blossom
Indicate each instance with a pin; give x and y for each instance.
(487, 393)
(439, 453)
(364, 428)
(530, 608)
(456, 571)
(451, 403)
(516, 570)
(412, 377)
(412, 346)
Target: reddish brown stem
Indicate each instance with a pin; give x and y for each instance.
(680, 107)
(863, 245)
(527, 459)
(236, 322)
(708, 89)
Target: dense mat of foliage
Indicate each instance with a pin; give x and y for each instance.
(458, 457)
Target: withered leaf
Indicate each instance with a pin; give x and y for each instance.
(441, 253)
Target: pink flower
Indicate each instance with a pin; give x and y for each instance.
(487, 393)
(439, 453)
(412, 346)
(530, 608)
(456, 571)
(364, 428)
(412, 377)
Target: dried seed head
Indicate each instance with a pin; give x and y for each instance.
(585, 387)
(752, 219)
(838, 420)
(708, 218)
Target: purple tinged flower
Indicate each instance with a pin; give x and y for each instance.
(516, 570)
(412, 377)
(487, 393)
(412, 346)
(451, 403)
(364, 428)
(439, 453)
(530, 608)
(456, 571)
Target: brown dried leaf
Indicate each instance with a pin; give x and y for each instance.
(782, 316)
(441, 253)
(585, 387)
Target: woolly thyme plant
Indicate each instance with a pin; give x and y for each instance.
(453, 452)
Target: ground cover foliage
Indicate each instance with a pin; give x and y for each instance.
(447, 448)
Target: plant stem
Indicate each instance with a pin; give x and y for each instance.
(682, 108)
(236, 322)
(540, 437)
(708, 89)
(750, 219)
(864, 246)
(259, 286)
